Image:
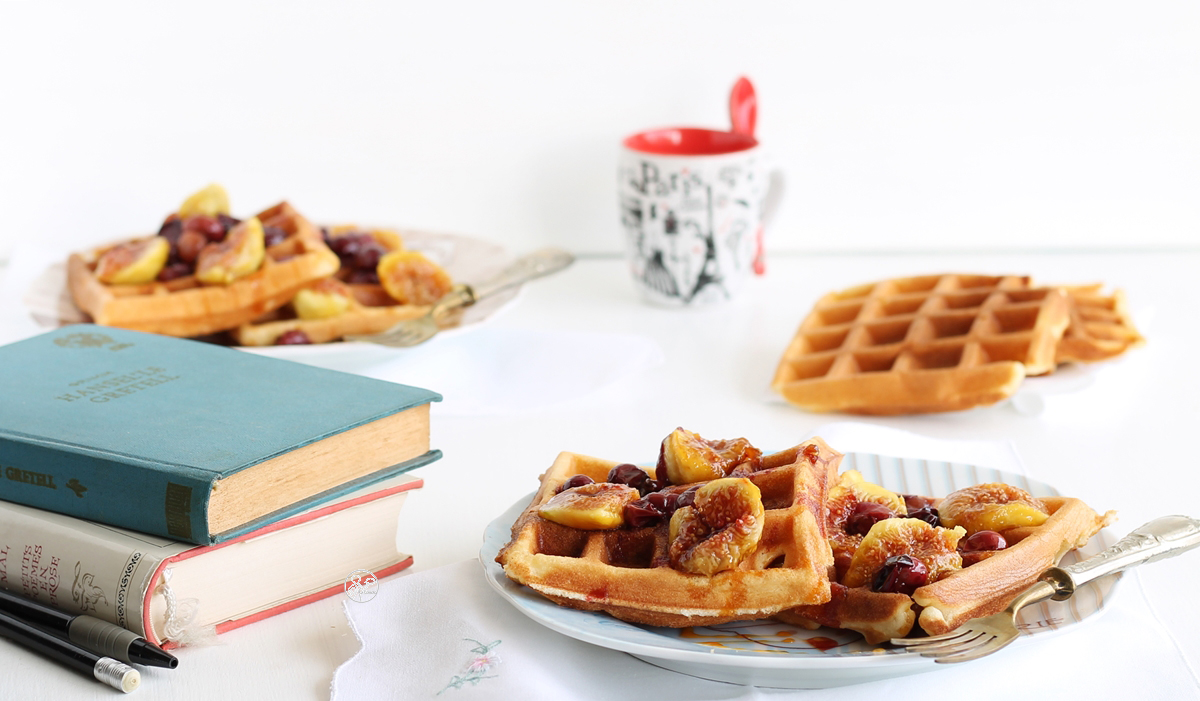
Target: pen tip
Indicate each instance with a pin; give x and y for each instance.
(143, 652)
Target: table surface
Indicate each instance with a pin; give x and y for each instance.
(1121, 442)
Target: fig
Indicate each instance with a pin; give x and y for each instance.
(851, 482)
(211, 201)
(410, 278)
(992, 507)
(719, 530)
(688, 458)
(322, 300)
(133, 262)
(591, 507)
(240, 254)
(934, 546)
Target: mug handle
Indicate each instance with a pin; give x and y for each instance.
(770, 207)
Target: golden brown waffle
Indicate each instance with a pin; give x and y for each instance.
(371, 310)
(878, 616)
(625, 571)
(1100, 327)
(985, 585)
(988, 586)
(184, 307)
(922, 344)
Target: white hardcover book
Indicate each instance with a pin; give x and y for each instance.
(174, 593)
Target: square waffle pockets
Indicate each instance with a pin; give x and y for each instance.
(922, 344)
(625, 572)
(1100, 327)
(976, 590)
(184, 307)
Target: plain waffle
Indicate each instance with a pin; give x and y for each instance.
(1100, 327)
(626, 571)
(184, 307)
(922, 344)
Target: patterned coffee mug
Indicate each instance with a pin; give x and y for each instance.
(693, 206)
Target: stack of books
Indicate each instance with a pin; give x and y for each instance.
(181, 489)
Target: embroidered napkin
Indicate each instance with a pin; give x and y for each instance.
(445, 634)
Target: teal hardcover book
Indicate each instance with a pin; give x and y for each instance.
(190, 440)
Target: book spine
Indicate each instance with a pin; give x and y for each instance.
(78, 570)
(106, 487)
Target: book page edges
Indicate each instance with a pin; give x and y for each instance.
(408, 483)
(273, 569)
(278, 483)
(303, 601)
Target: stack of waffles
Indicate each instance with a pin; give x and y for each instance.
(786, 536)
(272, 278)
(944, 342)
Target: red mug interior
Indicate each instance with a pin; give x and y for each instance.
(689, 141)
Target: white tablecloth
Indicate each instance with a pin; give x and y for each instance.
(446, 633)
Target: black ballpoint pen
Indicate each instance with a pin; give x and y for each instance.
(91, 633)
(116, 674)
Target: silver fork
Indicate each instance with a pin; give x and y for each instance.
(1159, 539)
(413, 331)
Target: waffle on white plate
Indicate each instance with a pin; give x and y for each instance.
(272, 278)
(204, 272)
(968, 554)
(744, 546)
(718, 532)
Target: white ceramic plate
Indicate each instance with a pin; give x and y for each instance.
(466, 259)
(773, 654)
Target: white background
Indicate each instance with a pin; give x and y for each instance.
(901, 126)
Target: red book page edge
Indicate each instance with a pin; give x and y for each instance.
(277, 526)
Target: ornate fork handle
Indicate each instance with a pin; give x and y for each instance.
(1159, 539)
(540, 263)
(537, 264)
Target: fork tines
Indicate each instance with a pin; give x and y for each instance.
(961, 645)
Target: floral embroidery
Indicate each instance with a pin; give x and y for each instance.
(479, 666)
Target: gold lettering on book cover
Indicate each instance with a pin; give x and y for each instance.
(178, 505)
(116, 386)
(37, 479)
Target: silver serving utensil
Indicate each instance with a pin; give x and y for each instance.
(413, 331)
(1159, 539)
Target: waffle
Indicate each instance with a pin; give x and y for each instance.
(985, 585)
(184, 307)
(371, 309)
(922, 344)
(1100, 327)
(625, 571)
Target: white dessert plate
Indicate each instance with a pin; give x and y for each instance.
(773, 654)
(466, 259)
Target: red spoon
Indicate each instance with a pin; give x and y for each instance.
(743, 114)
(743, 107)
